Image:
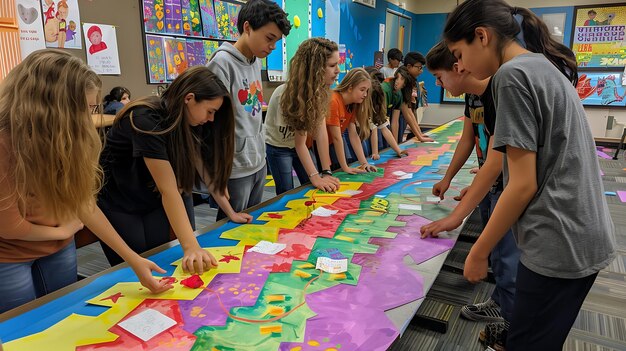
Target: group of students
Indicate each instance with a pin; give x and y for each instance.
(548, 232)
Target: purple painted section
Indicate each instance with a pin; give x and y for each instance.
(235, 290)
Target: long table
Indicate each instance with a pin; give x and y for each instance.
(254, 301)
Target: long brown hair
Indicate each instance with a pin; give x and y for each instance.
(54, 144)
(306, 96)
(361, 111)
(500, 16)
(213, 143)
(409, 84)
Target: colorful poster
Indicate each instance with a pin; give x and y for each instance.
(195, 53)
(153, 16)
(599, 38)
(191, 18)
(175, 57)
(210, 47)
(156, 58)
(173, 17)
(223, 22)
(31, 30)
(233, 15)
(601, 89)
(62, 24)
(209, 22)
(446, 96)
(342, 58)
(101, 45)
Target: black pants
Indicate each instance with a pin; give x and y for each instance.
(142, 232)
(545, 310)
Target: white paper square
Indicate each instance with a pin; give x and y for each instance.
(350, 192)
(268, 248)
(399, 173)
(147, 324)
(433, 199)
(410, 207)
(406, 176)
(323, 212)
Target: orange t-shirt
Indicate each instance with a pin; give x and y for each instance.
(12, 219)
(338, 115)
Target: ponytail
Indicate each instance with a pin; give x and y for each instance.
(509, 24)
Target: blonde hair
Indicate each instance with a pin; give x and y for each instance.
(363, 110)
(306, 97)
(54, 144)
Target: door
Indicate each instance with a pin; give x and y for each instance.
(397, 32)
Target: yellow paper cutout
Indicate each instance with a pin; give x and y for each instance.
(251, 234)
(343, 186)
(134, 292)
(228, 261)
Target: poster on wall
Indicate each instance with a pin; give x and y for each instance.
(101, 45)
(599, 39)
(153, 16)
(175, 57)
(30, 25)
(223, 22)
(195, 53)
(191, 17)
(156, 59)
(209, 21)
(61, 24)
(601, 89)
(233, 16)
(446, 97)
(342, 58)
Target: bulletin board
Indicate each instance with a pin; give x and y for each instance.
(179, 34)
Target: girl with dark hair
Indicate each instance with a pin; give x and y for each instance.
(561, 222)
(159, 147)
(116, 100)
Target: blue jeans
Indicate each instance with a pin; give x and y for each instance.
(281, 160)
(23, 282)
(504, 260)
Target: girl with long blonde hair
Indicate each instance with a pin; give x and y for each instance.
(350, 106)
(49, 178)
(296, 113)
(160, 147)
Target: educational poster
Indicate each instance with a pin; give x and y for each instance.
(223, 21)
(601, 88)
(209, 22)
(175, 57)
(191, 18)
(233, 16)
(210, 47)
(156, 58)
(195, 53)
(599, 39)
(447, 97)
(101, 44)
(173, 17)
(342, 58)
(300, 29)
(30, 26)
(62, 24)
(153, 16)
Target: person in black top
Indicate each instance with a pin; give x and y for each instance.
(159, 147)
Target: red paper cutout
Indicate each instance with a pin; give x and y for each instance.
(113, 297)
(193, 282)
(228, 258)
(275, 215)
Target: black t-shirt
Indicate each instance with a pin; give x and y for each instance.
(481, 110)
(128, 185)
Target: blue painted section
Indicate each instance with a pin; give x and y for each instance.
(275, 59)
(318, 25)
(569, 18)
(426, 32)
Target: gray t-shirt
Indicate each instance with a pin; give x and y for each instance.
(277, 132)
(566, 231)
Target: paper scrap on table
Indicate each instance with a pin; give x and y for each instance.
(147, 324)
(323, 212)
(350, 192)
(406, 176)
(268, 248)
(399, 173)
(410, 207)
(622, 195)
(433, 199)
(430, 142)
(603, 155)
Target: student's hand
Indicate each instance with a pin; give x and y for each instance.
(351, 170)
(67, 230)
(402, 153)
(425, 139)
(462, 194)
(474, 170)
(375, 157)
(143, 269)
(198, 261)
(441, 187)
(443, 225)
(368, 168)
(240, 217)
(475, 268)
(328, 184)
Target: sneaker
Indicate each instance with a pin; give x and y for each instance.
(494, 335)
(487, 311)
